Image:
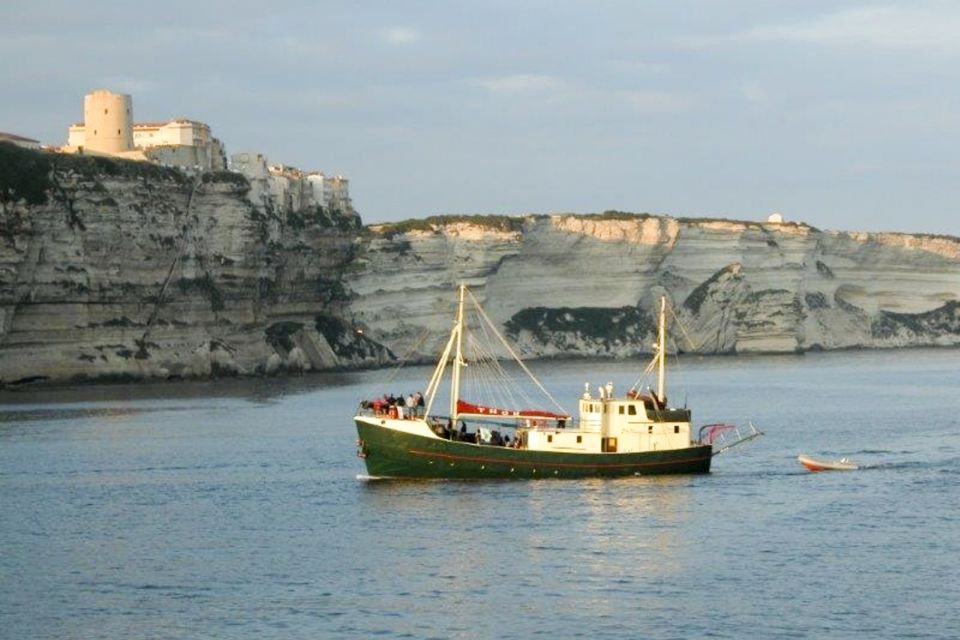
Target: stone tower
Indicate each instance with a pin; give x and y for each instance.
(108, 121)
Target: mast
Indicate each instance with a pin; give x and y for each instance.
(458, 357)
(662, 352)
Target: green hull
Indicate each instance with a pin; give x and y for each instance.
(393, 454)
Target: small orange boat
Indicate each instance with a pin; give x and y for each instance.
(812, 464)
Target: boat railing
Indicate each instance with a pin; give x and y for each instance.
(724, 437)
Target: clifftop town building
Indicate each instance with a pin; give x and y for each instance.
(290, 188)
(108, 128)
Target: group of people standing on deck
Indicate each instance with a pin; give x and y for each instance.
(481, 436)
(397, 406)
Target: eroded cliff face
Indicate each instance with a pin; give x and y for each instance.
(121, 270)
(587, 285)
(113, 270)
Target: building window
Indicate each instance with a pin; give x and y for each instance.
(676, 428)
(632, 410)
(549, 438)
(579, 439)
(621, 409)
(650, 429)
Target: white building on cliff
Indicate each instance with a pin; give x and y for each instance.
(108, 128)
(290, 188)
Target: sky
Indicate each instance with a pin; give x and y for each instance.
(843, 115)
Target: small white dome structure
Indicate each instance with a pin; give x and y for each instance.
(775, 218)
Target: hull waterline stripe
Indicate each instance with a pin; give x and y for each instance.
(545, 463)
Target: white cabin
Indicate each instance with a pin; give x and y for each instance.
(616, 425)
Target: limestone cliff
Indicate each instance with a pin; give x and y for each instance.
(587, 285)
(122, 270)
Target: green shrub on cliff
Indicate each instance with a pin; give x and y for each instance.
(24, 175)
(606, 325)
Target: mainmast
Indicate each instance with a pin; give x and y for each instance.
(457, 357)
(662, 352)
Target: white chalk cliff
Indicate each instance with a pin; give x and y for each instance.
(117, 270)
(587, 285)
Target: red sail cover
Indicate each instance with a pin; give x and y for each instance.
(479, 409)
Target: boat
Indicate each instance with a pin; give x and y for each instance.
(814, 465)
(636, 433)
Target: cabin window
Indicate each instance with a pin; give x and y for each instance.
(621, 409)
(608, 445)
(632, 410)
(579, 439)
(549, 438)
(650, 429)
(676, 428)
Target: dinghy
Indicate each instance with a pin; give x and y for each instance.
(812, 464)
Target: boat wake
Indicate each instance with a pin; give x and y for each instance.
(367, 478)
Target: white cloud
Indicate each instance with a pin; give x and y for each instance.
(521, 83)
(755, 94)
(879, 27)
(655, 101)
(401, 35)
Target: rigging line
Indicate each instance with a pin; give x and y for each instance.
(403, 361)
(645, 374)
(693, 345)
(434, 385)
(515, 393)
(495, 378)
(513, 353)
(492, 378)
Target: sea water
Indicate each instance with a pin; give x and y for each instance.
(238, 509)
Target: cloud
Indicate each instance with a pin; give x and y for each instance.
(878, 27)
(400, 35)
(521, 83)
(755, 94)
(655, 101)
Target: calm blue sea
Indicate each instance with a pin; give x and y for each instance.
(234, 510)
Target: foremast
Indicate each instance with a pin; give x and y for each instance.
(662, 353)
(454, 345)
(454, 351)
(457, 356)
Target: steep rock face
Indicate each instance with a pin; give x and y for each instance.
(121, 270)
(588, 285)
